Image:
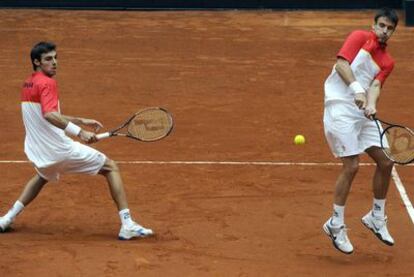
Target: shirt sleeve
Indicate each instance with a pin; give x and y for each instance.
(48, 98)
(352, 45)
(385, 72)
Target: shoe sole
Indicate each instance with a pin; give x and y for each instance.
(376, 234)
(135, 236)
(122, 238)
(328, 233)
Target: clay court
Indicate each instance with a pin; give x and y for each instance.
(228, 193)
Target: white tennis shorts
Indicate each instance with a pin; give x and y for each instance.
(347, 130)
(83, 159)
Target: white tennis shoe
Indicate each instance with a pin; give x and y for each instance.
(134, 231)
(378, 226)
(4, 224)
(339, 237)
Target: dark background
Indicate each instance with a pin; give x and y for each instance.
(206, 4)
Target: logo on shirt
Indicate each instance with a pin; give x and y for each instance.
(28, 85)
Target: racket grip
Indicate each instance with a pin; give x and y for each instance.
(103, 135)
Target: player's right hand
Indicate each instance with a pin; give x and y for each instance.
(360, 100)
(370, 111)
(88, 137)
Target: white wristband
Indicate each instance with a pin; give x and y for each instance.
(356, 87)
(72, 129)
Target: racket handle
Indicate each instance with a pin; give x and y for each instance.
(103, 135)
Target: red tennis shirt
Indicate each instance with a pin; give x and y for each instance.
(44, 143)
(369, 60)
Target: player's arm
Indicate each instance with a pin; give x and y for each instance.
(372, 98)
(374, 90)
(63, 122)
(84, 121)
(349, 50)
(344, 70)
(50, 109)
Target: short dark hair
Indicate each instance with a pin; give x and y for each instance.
(39, 49)
(388, 13)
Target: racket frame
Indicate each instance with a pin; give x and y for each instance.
(113, 133)
(382, 134)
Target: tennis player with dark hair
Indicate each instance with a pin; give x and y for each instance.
(352, 91)
(52, 152)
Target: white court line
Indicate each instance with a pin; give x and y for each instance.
(257, 163)
(403, 193)
(395, 176)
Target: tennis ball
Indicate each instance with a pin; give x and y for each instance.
(299, 140)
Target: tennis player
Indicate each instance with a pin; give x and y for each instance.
(351, 94)
(51, 150)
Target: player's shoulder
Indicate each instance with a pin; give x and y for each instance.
(361, 34)
(41, 79)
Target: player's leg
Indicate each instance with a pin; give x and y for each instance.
(341, 124)
(335, 226)
(86, 160)
(129, 228)
(111, 172)
(376, 220)
(382, 174)
(32, 189)
(344, 181)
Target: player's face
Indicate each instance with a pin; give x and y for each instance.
(383, 28)
(48, 63)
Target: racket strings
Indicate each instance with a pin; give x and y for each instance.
(401, 144)
(150, 125)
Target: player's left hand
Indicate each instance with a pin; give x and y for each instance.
(92, 123)
(370, 111)
(360, 100)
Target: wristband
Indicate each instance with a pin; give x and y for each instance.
(72, 129)
(356, 87)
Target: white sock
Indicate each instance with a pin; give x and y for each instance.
(126, 217)
(15, 210)
(338, 215)
(378, 208)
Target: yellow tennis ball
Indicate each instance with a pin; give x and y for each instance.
(299, 140)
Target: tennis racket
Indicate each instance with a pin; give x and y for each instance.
(397, 142)
(147, 125)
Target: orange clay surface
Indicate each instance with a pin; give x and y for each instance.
(241, 85)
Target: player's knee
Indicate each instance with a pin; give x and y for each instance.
(385, 164)
(110, 166)
(351, 167)
(41, 180)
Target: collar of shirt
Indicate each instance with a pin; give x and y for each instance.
(375, 38)
(40, 73)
